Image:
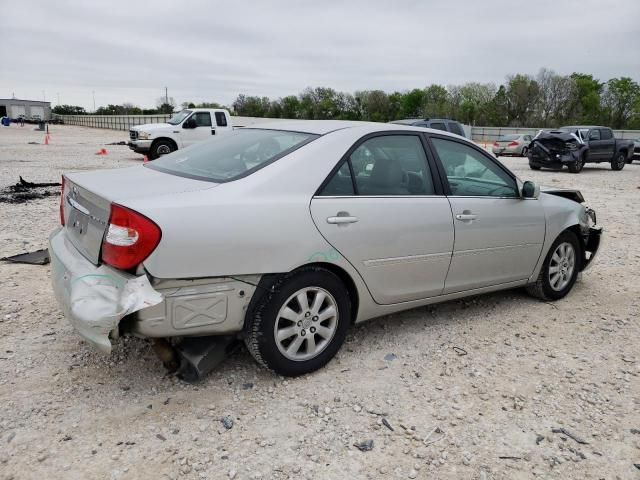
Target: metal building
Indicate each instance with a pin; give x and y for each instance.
(31, 110)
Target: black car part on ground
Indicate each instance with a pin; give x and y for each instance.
(556, 148)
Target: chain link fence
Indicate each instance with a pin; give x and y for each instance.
(491, 134)
(112, 122)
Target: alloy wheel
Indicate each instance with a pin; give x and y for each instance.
(561, 267)
(306, 323)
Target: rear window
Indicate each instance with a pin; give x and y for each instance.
(455, 127)
(231, 156)
(438, 126)
(507, 138)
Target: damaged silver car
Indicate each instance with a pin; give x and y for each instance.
(287, 234)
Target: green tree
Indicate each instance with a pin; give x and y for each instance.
(436, 101)
(620, 99)
(522, 97)
(586, 104)
(290, 106)
(412, 104)
(68, 110)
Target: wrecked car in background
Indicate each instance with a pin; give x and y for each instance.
(577, 145)
(285, 235)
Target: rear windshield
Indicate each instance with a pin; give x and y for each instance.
(505, 138)
(232, 155)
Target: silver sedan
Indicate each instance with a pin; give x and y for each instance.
(284, 235)
(516, 144)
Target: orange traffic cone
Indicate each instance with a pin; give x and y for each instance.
(46, 139)
(102, 151)
(145, 159)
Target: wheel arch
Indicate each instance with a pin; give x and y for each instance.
(267, 282)
(168, 139)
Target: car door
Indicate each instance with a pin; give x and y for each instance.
(385, 212)
(196, 128)
(596, 153)
(498, 234)
(608, 144)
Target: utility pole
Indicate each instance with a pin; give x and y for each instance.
(58, 94)
(166, 96)
(93, 92)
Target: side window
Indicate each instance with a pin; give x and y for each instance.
(203, 119)
(606, 134)
(386, 165)
(340, 184)
(391, 165)
(438, 126)
(594, 134)
(454, 127)
(221, 119)
(470, 173)
(527, 138)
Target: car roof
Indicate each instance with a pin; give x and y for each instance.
(582, 126)
(322, 127)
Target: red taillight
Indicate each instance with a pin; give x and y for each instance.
(496, 144)
(514, 144)
(62, 202)
(130, 238)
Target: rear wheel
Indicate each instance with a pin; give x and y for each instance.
(619, 161)
(300, 324)
(534, 167)
(560, 269)
(159, 148)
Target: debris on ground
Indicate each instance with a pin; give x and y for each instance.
(24, 191)
(567, 433)
(39, 257)
(364, 446)
(227, 422)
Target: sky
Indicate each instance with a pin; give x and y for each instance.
(70, 51)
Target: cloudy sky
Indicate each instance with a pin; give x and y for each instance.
(128, 51)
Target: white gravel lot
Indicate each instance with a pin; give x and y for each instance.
(69, 412)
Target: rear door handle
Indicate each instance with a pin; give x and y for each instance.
(466, 216)
(342, 219)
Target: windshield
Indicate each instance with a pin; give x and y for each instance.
(230, 156)
(179, 117)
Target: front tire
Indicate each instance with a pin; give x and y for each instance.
(161, 147)
(560, 269)
(534, 167)
(301, 323)
(576, 167)
(619, 162)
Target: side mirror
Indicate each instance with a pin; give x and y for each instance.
(530, 190)
(190, 123)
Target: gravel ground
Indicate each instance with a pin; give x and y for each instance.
(431, 410)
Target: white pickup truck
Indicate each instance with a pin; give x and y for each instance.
(183, 129)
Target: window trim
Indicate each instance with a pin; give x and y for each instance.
(473, 146)
(431, 164)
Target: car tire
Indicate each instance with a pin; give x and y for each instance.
(619, 162)
(524, 152)
(577, 166)
(553, 284)
(159, 148)
(283, 334)
(534, 167)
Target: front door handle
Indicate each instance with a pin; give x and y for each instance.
(466, 216)
(342, 218)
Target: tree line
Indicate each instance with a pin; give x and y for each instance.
(544, 100)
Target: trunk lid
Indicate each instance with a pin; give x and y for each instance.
(88, 197)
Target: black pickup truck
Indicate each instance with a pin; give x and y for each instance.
(576, 145)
